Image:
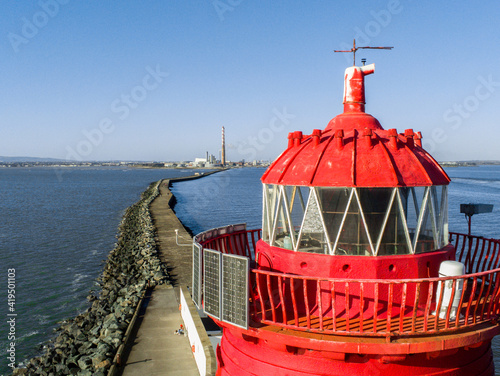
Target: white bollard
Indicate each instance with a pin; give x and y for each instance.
(450, 269)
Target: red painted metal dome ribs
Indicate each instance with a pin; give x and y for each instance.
(355, 151)
(356, 158)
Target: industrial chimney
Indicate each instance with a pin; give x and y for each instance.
(223, 154)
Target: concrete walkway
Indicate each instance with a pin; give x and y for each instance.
(157, 350)
(177, 258)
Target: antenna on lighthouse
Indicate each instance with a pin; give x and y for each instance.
(354, 49)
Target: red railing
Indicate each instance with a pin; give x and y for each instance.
(240, 243)
(387, 308)
(477, 253)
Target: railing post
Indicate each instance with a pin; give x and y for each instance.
(361, 306)
(402, 309)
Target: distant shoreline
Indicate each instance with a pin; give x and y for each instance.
(469, 163)
(186, 165)
(144, 165)
(131, 166)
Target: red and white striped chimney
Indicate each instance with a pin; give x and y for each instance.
(223, 153)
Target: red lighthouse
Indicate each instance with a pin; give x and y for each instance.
(354, 271)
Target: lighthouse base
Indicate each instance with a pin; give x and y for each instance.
(244, 355)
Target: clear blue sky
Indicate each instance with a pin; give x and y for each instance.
(156, 80)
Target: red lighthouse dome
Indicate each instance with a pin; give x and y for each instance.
(353, 272)
(355, 151)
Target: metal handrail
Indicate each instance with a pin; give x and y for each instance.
(370, 307)
(396, 307)
(242, 243)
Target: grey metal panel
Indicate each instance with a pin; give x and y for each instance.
(212, 282)
(235, 290)
(196, 289)
(471, 209)
(239, 227)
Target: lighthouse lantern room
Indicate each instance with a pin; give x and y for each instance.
(354, 271)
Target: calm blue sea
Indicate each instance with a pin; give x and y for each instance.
(56, 228)
(55, 231)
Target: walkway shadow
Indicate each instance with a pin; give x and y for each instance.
(140, 317)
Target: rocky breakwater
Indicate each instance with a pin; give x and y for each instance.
(87, 344)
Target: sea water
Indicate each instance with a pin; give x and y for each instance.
(56, 230)
(57, 226)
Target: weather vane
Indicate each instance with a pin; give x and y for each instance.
(354, 49)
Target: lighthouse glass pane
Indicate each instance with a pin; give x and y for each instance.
(375, 202)
(283, 233)
(394, 240)
(333, 205)
(412, 201)
(297, 201)
(313, 237)
(271, 203)
(265, 219)
(443, 223)
(425, 242)
(353, 239)
(441, 215)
